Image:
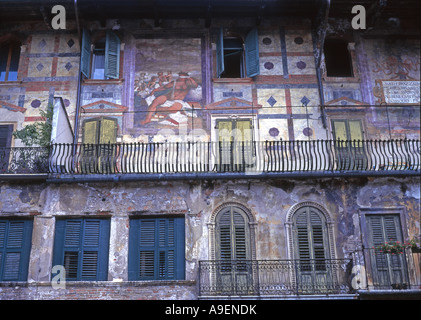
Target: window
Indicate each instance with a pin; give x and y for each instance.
(98, 150)
(233, 240)
(387, 269)
(310, 238)
(15, 246)
(156, 249)
(5, 142)
(105, 56)
(236, 59)
(337, 58)
(9, 61)
(81, 246)
(235, 144)
(348, 136)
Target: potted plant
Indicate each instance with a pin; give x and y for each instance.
(414, 244)
(393, 247)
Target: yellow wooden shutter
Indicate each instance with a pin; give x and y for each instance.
(355, 130)
(108, 131)
(90, 129)
(339, 128)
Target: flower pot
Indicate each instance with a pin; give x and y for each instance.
(416, 250)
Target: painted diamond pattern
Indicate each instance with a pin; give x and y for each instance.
(70, 43)
(40, 67)
(42, 43)
(68, 66)
(271, 101)
(305, 100)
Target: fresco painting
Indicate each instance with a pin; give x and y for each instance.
(167, 87)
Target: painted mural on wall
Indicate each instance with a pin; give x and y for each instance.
(167, 88)
(395, 70)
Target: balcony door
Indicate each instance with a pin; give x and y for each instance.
(234, 144)
(348, 135)
(98, 150)
(388, 269)
(313, 274)
(235, 270)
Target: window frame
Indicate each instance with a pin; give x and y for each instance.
(249, 60)
(111, 52)
(370, 257)
(11, 46)
(159, 253)
(62, 244)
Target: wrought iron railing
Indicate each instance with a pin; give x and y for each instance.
(24, 160)
(250, 157)
(274, 277)
(214, 157)
(394, 270)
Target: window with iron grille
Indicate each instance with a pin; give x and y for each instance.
(81, 246)
(156, 249)
(15, 246)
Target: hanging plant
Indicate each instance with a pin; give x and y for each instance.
(393, 247)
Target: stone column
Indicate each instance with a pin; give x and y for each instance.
(42, 249)
(119, 247)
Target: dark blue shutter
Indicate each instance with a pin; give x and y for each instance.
(85, 59)
(112, 55)
(81, 246)
(220, 67)
(15, 246)
(252, 53)
(156, 249)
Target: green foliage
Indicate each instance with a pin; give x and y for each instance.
(38, 133)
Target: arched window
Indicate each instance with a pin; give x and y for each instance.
(311, 241)
(232, 234)
(9, 60)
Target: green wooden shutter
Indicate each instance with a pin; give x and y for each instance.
(156, 249)
(86, 53)
(232, 232)
(15, 246)
(220, 67)
(387, 269)
(112, 55)
(90, 131)
(252, 53)
(81, 246)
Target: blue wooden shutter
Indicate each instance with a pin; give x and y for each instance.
(156, 249)
(252, 53)
(15, 246)
(81, 246)
(112, 55)
(85, 59)
(220, 67)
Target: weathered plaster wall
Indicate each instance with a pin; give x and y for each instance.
(268, 201)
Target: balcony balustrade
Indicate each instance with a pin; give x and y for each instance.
(253, 158)
(274, 277)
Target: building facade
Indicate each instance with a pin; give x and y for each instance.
(261, 150)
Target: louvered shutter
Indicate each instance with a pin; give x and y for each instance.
(15, 245)
(81, 246)
(156, 249)
(220, 67)
(252, 53)
(86, 53)
(388, 269)
(311, 240)
(112, 55)
(233, 238)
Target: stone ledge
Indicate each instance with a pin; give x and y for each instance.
(103, 283)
